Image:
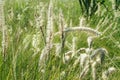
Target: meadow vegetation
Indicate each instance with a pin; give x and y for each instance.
(59, 40)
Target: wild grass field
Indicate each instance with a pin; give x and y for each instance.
(59, 40)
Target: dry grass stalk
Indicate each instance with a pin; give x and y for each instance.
(84, 64)
(87, 50)
(49, 29)
(76, 62)
(88, 30)
(49, 36)
(40, 20)
(84, 72)
(73, 46)
(43, 57)
(4, 29)
(94, 70)
(82, 22)
(90, 41)
(61, 28)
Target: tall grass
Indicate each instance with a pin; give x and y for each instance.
(48, 28)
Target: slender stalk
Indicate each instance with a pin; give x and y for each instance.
(94, 70)
(73, 46)
(84, 72)
(61, 27)
(4, 28)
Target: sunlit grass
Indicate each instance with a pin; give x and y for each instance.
(26, 42)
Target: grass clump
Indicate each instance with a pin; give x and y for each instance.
(53, 40)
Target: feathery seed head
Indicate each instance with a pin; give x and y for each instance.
(84, 59)
(112, 69)
(36, 40)
(107, 73)
(99, 55)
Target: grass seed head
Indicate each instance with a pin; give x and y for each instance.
(67, 56)
(99, 55)
(84, 60)
(107, 73)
